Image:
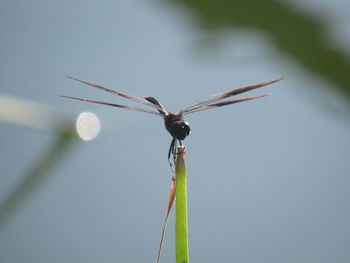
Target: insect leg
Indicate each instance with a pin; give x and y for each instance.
(174, 151)
(171, 151)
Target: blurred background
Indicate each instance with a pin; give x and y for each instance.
(268, 179)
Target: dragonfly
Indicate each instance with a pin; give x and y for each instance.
(175, 123)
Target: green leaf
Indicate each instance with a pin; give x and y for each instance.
(181, 225)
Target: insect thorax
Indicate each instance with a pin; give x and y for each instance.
(177, 126)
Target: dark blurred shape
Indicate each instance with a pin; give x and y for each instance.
(294, 32)
(38, 173)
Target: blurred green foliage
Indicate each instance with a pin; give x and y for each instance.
(65, 138)
(295, 32)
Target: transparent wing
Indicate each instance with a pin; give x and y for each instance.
(121, 94)
(216, 97)
(116, 105)
(222, 103)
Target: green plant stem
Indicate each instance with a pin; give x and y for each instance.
(181, 225)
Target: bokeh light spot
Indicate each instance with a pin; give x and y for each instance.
(88, 126)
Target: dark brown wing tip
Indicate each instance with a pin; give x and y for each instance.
(70, 77)
(280, 78)
(70, 97)
(269, 82)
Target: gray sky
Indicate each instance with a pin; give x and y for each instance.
(268, 179)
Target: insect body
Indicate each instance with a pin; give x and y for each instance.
(175, 123)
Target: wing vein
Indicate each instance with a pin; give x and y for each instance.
(115, 105)
(119, 93)
(219, 96)
(222, 103)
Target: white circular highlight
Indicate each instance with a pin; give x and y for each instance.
(88, 126)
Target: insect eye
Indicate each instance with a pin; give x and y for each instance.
(180, 130)
(187, 127)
